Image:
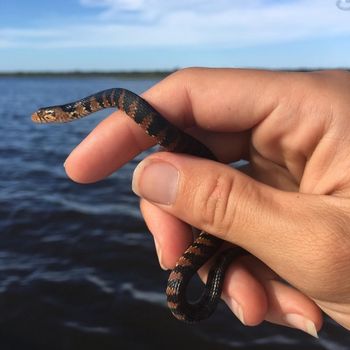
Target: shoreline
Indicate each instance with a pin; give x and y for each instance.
(129, 74)
(88, 74)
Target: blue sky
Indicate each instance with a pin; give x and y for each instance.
(166, 34)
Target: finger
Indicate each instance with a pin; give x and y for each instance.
(208, 195)
(216, 100)
(244, 294)
(289, 307)
(286, 305)
(254, 293)
(110, 145)
(171, 236)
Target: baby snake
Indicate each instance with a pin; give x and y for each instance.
(175, 140)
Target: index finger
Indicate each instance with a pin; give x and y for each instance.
(210, 101)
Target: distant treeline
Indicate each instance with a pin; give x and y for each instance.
(88, 74)
(135, 74)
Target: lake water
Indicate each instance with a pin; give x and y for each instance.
(78, 269)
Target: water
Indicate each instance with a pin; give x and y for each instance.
(77, 267)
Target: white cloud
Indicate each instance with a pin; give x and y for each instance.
(122, 4)
(153, 10)
(343, 4)
(190, 23)
(115, 5)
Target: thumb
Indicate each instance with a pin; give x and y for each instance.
(210, 196)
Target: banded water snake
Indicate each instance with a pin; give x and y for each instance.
(172, 139)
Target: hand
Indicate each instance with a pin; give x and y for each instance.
(291, 209)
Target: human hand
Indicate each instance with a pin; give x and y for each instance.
(290, 212)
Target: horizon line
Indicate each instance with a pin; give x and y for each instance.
(140, 72)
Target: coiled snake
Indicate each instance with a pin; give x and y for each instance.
(175, 140)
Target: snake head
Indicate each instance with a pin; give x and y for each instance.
(48, 115)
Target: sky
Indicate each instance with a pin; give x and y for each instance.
(63, 35)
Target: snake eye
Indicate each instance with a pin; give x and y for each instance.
(49, 115)
(38, 116)
(45, 115)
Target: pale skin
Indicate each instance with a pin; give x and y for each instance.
(291, 207)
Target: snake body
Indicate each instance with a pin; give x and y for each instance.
(175, 140)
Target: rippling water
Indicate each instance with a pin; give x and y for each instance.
(77, 266)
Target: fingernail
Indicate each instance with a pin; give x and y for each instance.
(302, 323)
(236, 309)
(64, 164)
(156, 181)
(159, 254)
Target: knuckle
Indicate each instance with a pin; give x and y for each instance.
(217, 204)
(186, 73)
